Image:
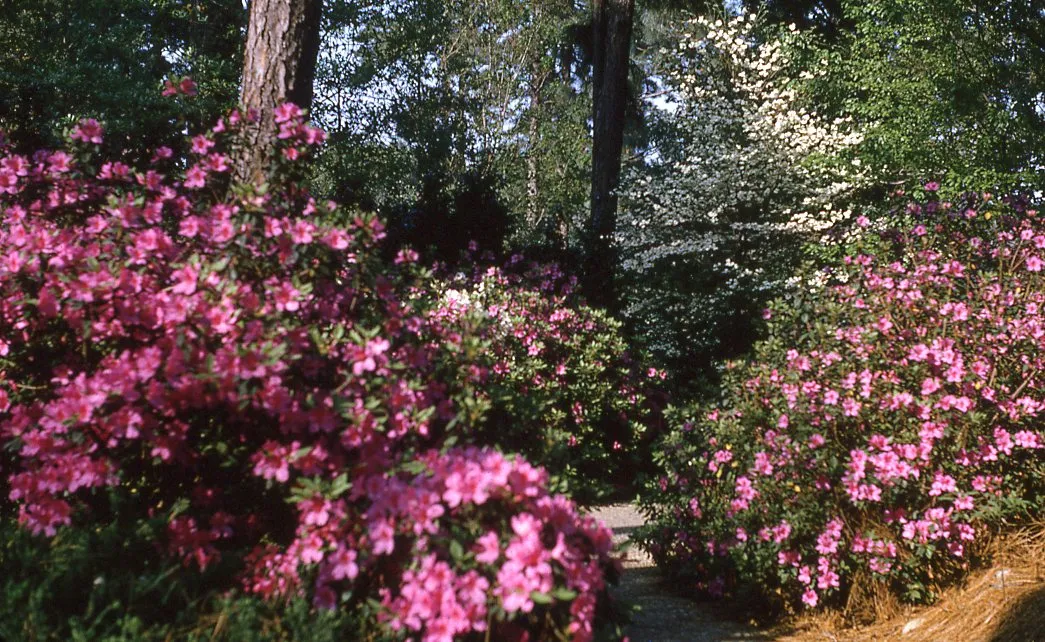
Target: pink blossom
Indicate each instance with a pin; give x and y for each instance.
(301, 231)
(287, 112)
(88, 130)
(187, 86)
(489, 548)
(337, 239)
(810, 598)
(201, 145)
(195, 177)
(929, 386)
(185, 280)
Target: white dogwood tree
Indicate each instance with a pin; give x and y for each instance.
(747, 174)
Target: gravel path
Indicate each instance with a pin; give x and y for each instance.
(665, 616)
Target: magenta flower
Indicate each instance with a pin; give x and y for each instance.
(88, 130)
(185, 280)
(195, 177)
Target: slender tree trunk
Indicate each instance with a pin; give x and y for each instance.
(279, 66)
(533, 209)
(612, 21)
(533, 206)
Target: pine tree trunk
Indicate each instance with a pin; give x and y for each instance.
(612, 21)
(279, 66)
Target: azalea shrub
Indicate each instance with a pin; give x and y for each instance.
(235, 373)
(562, 374)
(887, 427)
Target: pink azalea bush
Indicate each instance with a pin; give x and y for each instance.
(562, 372)
(239, 367)
(884, 431)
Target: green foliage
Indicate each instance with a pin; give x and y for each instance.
(106, 59)
(563, 387)
(950, 88)
(106, 585)
(425, 100)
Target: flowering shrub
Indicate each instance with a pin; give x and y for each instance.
(240, 367)
(561, 374)
(884, 430)
(714, 222)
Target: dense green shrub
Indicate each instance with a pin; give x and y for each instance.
(107, 584)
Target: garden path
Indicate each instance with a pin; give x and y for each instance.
(665, 615)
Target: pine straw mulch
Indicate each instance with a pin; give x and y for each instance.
(1002, 603)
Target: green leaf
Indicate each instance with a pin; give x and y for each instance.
(179, 507)
(456, 550)
(541, 598)
(414, 467)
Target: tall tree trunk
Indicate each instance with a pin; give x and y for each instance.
(279, 66)
(612, 23)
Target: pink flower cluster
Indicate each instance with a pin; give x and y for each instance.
(446, 590)
(179, 87)
(549, 546)
(88, 131)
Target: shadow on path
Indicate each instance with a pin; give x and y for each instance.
(665, 616)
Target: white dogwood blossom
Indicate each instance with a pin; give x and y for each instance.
(753, 156)
(752, 169)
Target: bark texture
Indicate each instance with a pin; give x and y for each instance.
(612, 23)
(279, 66)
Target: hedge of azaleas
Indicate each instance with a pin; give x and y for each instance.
(885, 430)
(240, 367)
